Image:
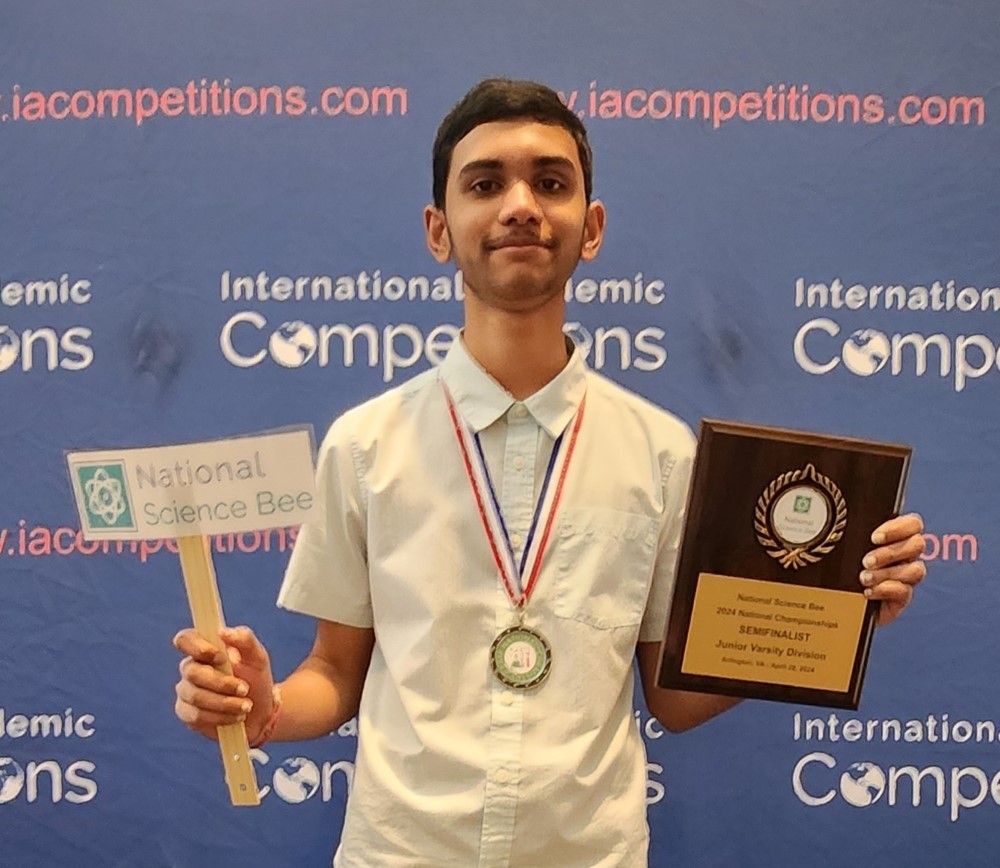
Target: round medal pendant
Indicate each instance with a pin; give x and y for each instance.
(521, 658)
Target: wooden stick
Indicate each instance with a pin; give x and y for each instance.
(206, 612)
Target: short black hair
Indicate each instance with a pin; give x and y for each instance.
(502, 99)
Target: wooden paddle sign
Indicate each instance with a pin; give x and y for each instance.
(190, 492)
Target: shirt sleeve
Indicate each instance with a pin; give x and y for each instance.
(327, 576)
(676, 481)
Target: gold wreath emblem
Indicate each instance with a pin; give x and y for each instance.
(799, 556)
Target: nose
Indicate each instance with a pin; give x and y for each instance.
(519, 205)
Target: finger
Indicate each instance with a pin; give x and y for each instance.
(203, 721)
(210, 701)
(195, 646)
(209, 678)
(908, 549)
(206, 730)
(911, 573)
(896, 594)
(898, 528)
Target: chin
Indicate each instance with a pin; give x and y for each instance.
(523, 289)
(520, 300)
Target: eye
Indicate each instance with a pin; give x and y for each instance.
(551, 185)
(484, 186)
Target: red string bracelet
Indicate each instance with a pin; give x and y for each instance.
(272, 721)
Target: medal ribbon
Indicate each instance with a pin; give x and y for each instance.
(513, 574)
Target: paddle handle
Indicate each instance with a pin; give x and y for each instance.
(206, 614)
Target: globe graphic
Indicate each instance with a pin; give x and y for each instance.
(10, 344)
(293, 344)
(866, 352)
(296, 779)
(862, 784)
(11, 780)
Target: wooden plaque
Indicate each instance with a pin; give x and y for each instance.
(767, 603)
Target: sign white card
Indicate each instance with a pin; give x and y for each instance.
(219, 486)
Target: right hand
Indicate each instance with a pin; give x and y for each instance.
(208, 698)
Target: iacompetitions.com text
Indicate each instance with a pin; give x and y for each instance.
(204, 97)
(774, 103)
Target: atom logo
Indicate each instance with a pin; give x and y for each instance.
(105, 498)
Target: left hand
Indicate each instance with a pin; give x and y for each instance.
(894, 569)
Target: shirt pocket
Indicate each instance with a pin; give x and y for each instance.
(605, 561)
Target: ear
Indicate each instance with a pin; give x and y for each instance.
(593, 230)
(436, 234)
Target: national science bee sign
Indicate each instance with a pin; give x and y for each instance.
(195, 489)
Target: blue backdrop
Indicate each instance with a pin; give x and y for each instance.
(212, 226)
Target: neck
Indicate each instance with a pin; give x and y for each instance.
(522, 352)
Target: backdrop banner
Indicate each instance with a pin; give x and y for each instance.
(213, 226)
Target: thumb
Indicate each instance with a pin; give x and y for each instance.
(252, 664)
(245, 649)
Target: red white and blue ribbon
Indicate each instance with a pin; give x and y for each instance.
(518, 578)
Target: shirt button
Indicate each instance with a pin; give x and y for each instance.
(507, 699)
(516, 539)
(519, 411)
(502, 776)
(518, 463)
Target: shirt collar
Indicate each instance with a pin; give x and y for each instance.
(482, 400)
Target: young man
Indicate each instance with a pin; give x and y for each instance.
(495, 543)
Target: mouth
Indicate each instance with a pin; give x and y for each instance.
(514, 242)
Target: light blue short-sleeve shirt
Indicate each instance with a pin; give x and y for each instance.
(453, 767)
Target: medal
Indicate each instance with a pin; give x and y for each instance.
(520, 657)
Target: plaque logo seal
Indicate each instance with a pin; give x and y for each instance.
(800, 517)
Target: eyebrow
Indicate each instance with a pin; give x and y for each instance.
(494, 163)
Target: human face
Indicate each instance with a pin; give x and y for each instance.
(516, 219)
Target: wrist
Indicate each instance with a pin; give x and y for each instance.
(271, 723)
